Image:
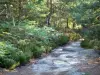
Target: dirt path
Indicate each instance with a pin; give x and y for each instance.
(67, 60)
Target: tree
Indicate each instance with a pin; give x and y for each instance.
(86, 12)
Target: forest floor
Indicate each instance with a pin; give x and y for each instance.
(67, 60)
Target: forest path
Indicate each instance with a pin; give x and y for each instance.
(67, 60)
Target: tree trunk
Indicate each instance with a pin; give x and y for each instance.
(13, 19)
(67, 24)
(50, 13)
(48, 19)
(19, 17)
(74, 24)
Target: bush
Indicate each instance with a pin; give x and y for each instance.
(95, 44)
(63, 39)
(93, 36)
(94, 32)
(27, 41)
(74, 36)
(9, 55)
(21, 57)
(85, 43)
(6, 50)
(6, 62)
(37, 51)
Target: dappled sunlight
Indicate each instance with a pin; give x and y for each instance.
(94, 61)
(50, 37)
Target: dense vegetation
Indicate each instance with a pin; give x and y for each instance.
(92, 39)
(29, 28)
(21, 43)
(91, 23)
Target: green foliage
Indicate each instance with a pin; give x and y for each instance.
(95, 44)
(20, 57)
(6, 62)
(26, 41)
(63, 39)
(93, 36)
(10, 55)
(37, 51)
(86, 12)
(6, 51)
(94, 32)
(6, 48)
(74, 36)
(85, 43)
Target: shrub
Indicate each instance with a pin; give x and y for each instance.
(93, 36)
(74, 36)
(6, 50)
(21, 57)
(63, 39)
(37, 51)
(95, 44)
(6, 62)
(85, 43)
(25, 42)
(9, 55)
(93, 32)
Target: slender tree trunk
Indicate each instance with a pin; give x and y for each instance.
(12, 15)
(13, 19)
(50, 13)
(48, 3)
(67, 23)
(48, 19)
(74, 24)
(19, 17)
